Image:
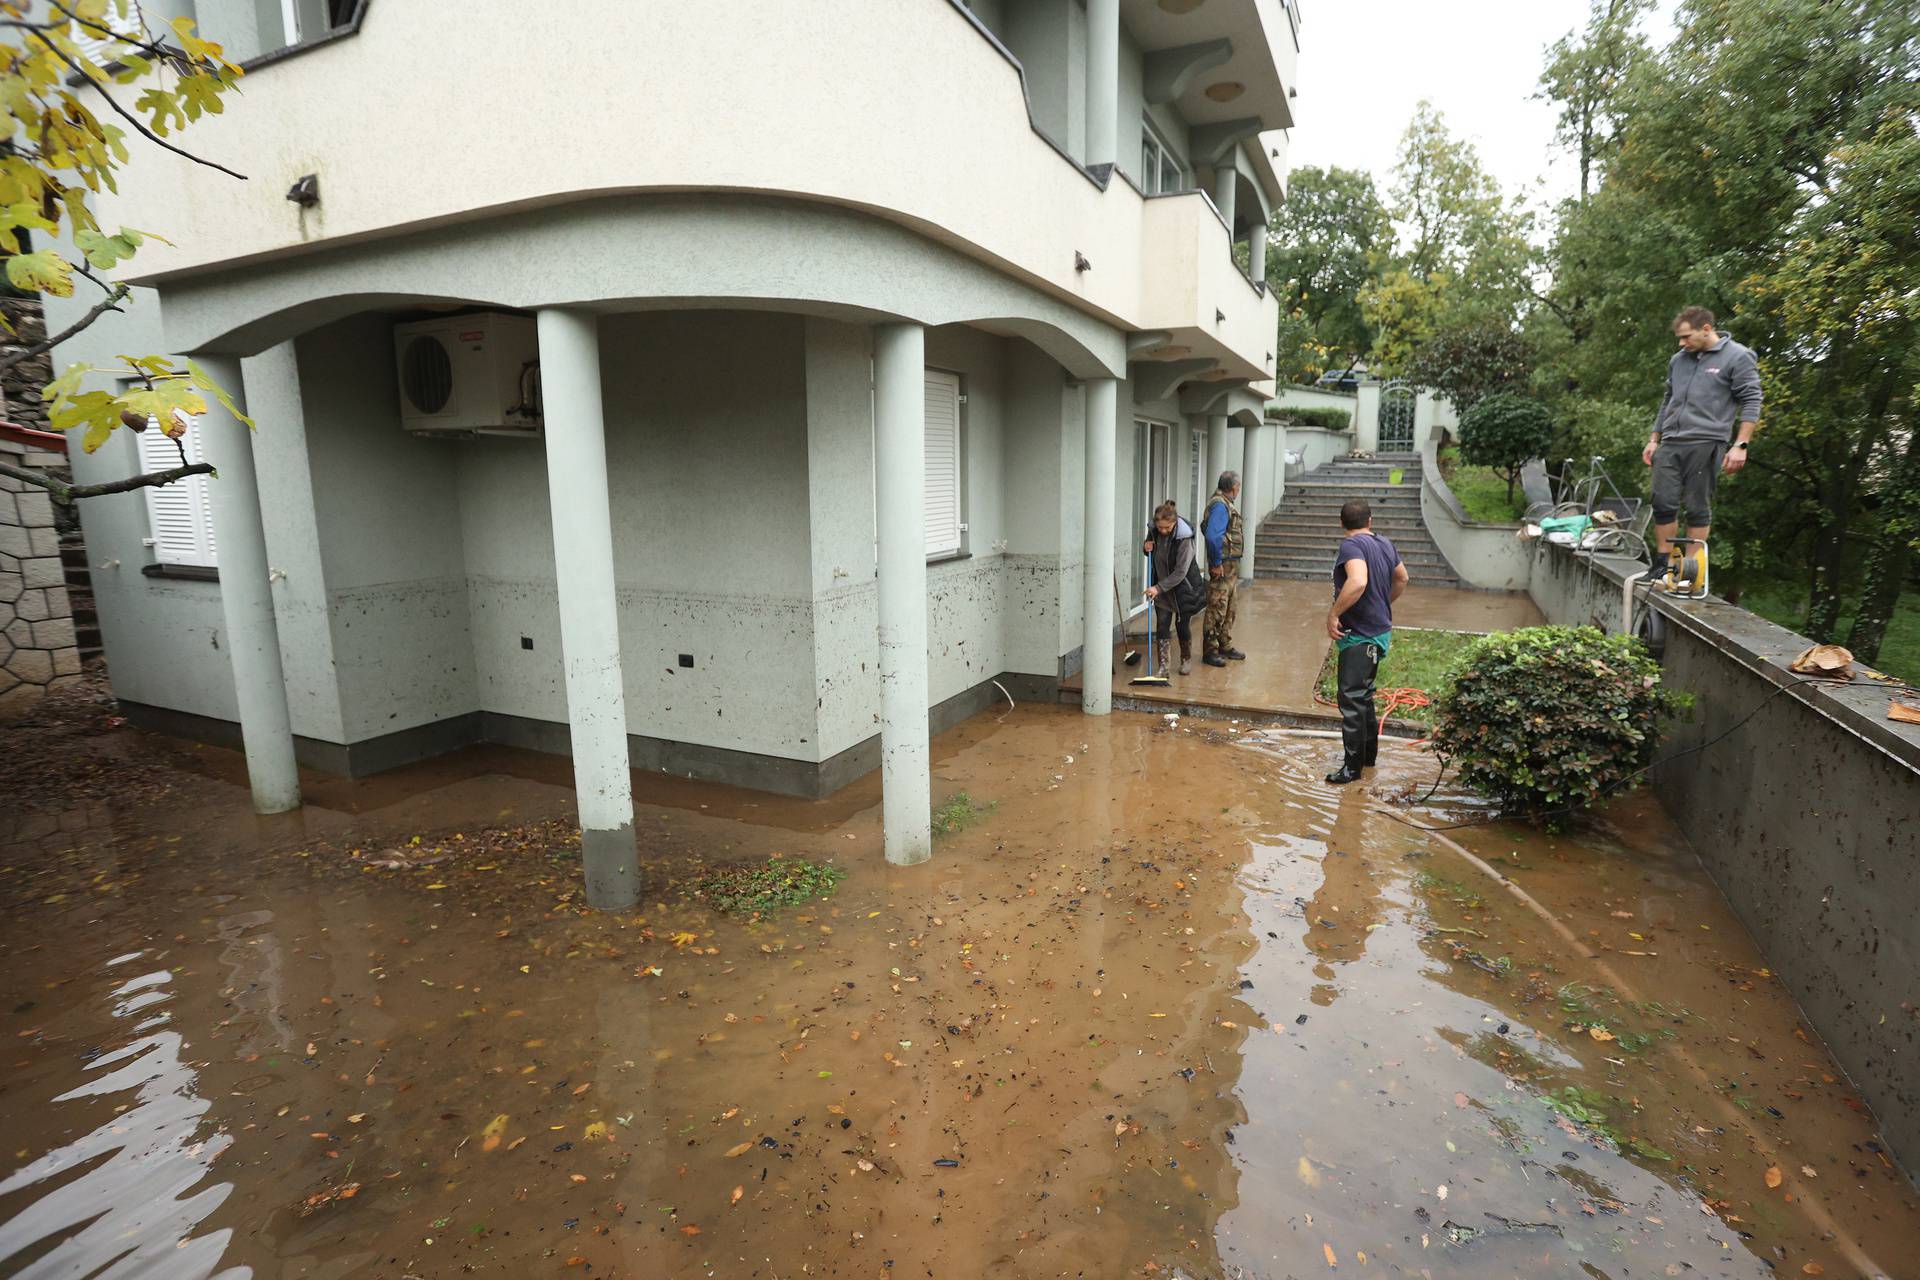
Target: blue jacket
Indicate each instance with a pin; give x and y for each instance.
(1214, 530)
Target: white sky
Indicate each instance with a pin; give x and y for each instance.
(1365, 65)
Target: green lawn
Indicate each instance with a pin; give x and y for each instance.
(1481, 490)
(1786, 604)
(1418, 659)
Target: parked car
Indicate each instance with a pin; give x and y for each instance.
(1340, 379)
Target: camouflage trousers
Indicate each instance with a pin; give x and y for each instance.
(1221, 593)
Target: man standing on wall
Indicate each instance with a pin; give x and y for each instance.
(1367, 578)
(1225, 538)
(1712, 383)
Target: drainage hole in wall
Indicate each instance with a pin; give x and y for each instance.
(526, 642)
(686, 660)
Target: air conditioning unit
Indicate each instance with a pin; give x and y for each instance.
(476, 374)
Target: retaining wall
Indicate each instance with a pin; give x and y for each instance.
(1806, 813)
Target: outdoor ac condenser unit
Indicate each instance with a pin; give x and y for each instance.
(476, 374)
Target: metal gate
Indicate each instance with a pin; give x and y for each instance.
(1396, 417)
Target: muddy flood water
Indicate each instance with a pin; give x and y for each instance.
(1166, 1005)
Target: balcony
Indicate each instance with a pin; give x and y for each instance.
(760, 97)
(1192, 288)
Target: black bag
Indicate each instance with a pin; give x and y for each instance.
(1192, 596)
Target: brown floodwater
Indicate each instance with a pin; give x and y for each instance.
(1166, 1005)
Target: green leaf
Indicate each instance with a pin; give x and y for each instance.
(42, 271)
(103, 251)
(202, 380)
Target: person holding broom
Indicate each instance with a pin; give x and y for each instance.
(1177, 590)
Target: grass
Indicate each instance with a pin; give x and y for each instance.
(1786, 604)
(958, 814)
(1481, 491)
(1417, 659)
(781, 882)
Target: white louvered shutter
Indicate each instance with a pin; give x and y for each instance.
(99, 49)
(180, 513)
(943, 464)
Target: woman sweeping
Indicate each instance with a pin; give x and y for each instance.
(1178, 591)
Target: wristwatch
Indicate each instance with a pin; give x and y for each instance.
(1741, 445)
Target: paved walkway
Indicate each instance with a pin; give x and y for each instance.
(1282, 630)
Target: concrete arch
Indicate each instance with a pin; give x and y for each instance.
(637, 253)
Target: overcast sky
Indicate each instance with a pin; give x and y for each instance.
(1365, 66)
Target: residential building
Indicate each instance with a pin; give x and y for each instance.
(734, 390)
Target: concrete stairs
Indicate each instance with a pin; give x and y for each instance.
(1300, 538)
(86, 622)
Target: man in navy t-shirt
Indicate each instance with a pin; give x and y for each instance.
(1367, 578)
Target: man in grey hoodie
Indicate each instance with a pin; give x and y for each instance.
(1713, 385)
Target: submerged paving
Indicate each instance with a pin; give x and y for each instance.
(1163, 1004)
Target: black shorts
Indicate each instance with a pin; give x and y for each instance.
(1684, 475)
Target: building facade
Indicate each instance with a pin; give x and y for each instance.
(827, 359)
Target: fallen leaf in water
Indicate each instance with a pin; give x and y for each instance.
(1441, 1191)
(1807, 1170)
(576, 1260)
(737, 1193)
(583, 1088)
(1328, 1250)
(690, 1230)
(595, 1132)
(835, 1109)
(1459, 1099)
(1774, 1176)
(491, 1135)
(740, 1150)
(310, 1049)
(357, 1117)
(1308, 1174)
(864, 1165)
(1600, 1033)
(577, 1177)
(516, 1142)
(1813, 1269)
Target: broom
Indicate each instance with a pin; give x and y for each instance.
(1153, 677)
(1120, 616)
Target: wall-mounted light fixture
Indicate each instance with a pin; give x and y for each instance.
(1080, 262)
(305, 192)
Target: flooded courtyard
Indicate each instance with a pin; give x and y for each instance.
(1163, 1004)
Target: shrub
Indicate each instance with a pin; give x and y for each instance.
(1547, 720)
(1504, 431)
(1468, 362)
(1330, 418)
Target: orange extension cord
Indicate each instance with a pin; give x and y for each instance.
(1387, 701)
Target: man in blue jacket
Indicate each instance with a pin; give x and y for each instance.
(1713, 387)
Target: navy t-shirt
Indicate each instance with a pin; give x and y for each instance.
(1371, 614)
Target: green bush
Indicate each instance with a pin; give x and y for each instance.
(1504, 431)
(1330, 418)
(1547, 720)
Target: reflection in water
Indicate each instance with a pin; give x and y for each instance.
(118, 1199)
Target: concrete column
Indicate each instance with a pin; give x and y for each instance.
(1257, 252)
(1103, 82)
(576, 439)
(246, 597)
(900, 518)
(1218, 442)
(1252, 490)
(1225, 189)
(1096, 651)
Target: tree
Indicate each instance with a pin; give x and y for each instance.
(1462, 252)
(1505, 431)
(1469, 361)
(58, 154)
(1585, 74)
(1324, 241)
(1767, 167)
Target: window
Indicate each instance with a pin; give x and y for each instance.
(100, 49)
(944, 525)
(1160, 170)
(180, 514)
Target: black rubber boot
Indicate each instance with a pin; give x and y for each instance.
(1349, 771)
(1214, 660)
(1236, 655)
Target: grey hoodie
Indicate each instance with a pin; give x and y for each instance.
(1709, 392)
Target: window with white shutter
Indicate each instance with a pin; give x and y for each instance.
(943, 464)
(180, 514)
(99, 48)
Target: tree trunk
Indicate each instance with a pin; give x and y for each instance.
(1887, 562)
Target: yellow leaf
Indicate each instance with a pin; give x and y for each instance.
(740, 1150)
(42, 271)
(1600, 1033)
(1331, 1260)
(596, 1132)
(490, 1136)
(1774, 1176)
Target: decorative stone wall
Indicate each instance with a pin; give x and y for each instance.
(20, 385)
(37, 644)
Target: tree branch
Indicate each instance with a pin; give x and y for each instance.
(67, 494)
(134, 120)
(100, 308)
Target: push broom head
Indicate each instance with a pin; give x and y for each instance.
(1158, 682)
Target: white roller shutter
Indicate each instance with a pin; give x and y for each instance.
(943, 464)
(180, 513)
(99, 49)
